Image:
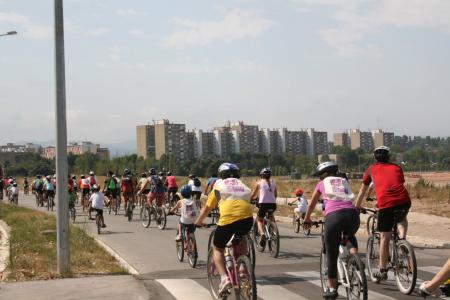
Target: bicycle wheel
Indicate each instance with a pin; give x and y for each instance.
(306, 232)
(179, 245)
(373, 256)
(130, 212)
(251, 251)
(370, 224)
(356, 278)
(192, 250)
(73, 211)
(52, 203)
(274, 239)
(97, 220)
(210, 239)
(116, 206)
(213, 276)
(256, 237)
(324, 271)
(295, 223)
(162, 218)
(145, 216)
(406, 268)
(247, 281)
(48, 203)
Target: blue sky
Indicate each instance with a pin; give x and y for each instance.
(327, 64)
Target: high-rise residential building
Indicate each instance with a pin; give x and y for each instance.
(361, 139)
(192, 145)
(225, 142)
(145, 141)
(208, 143)
(381, 138)
(293, 141)
(170, 139)
(270, 141)
(246, 136)
(341, 139)
(317, 142)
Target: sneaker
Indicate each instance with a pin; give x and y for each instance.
(330, 294)
(423, 292)
(224, 286)
(178, 238)
(262, 241)
(381, 275)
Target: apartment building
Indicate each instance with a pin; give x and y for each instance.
(317, 142)
(225, 141)
(270, 141)
(381, 138)
(145, 141)
(246, 137)
(207, 143)
(294, 142)
(171, 139)
(341, 139)
(361, 139)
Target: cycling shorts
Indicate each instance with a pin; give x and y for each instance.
(99, 211)
(264, 207)
(196, 195)
(85, 192)
(49, 193)
(127, 195)
(190, 227)
(158, 196)
(172, 190)
(111, 193)
(224, 233)
(386, 216)
(145, 192)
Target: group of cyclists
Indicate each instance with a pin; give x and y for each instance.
(233, 199)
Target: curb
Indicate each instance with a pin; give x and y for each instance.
(4, 248)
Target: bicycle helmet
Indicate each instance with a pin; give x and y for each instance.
(144, 175)
(126, 172)
(161, 174)
(38, 176)
(227, 170)
(326, 167)
(185, 191)
(298, 192)
(91, 173)
(169, 173)
(382, 153)
(14, 184)
(191, 176)
(82, 176)
(265, 173)
(152, 171)
(95, 187)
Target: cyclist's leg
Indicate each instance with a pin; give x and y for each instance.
(351, 226)
(243, 228)
(403, 225)
(385, 225)
(438, 279)
(332, 237)
(260, 218)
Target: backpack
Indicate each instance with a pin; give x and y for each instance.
(112, 184)
(197, 182)
(157, 185)
(38, 185)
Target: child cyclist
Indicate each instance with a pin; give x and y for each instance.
(189, 211)
(72, 196)
(96, 201)
(302, 204)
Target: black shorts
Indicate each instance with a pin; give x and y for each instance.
(172, 190)
(264, 207)
(386, 216)
(190, 227)
(224, 233)
(111, 193)
(85, 192)
(145, 192)
(99, 211)
(50, 193)
(196, 195)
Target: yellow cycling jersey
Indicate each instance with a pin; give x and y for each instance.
(232, 197)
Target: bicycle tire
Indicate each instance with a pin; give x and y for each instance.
(306, 232)
(52, 204)
(251, 251)
(97, 221)
(179, 245)
(370, 224)
(247, 289)
(130, 212)
(355, 270)
(192, 250)
(48, 204)
(117, 206)
(324, 271)
(411, 266)
(256, 237)
(373, 256)
(146, 218)
(210, 239)
(213, 276)
(274, 239)
(295, 223)
(162, 218)
(73, 210)
(110, 206)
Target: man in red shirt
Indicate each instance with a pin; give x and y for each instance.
(388, 182)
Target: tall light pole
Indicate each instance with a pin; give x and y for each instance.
(62, 236)
(9, 33)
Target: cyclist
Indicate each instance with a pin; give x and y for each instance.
(96, 200)
(302, 204)
(13, 190)
(75, 184)
(196, 187)
(341, 216)
(85, 188)
(72, 196)
(49, 188)
(127, 188)
(26, 184)
(388, 181)
(143, 187)
(266, 191)
(38, 185)
(442, 277)
(171, 185)
(236, 216)
(189, 211)
(1, 188)
(92, 179)
(210, 184)
(157, 191)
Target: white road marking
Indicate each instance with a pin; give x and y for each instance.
(430, 269)
(269, 291)
(185, 289)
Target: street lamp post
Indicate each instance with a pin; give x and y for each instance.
(9, 33)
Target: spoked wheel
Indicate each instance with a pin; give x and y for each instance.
(247, 281)
(73, 214)
(192, 250)
(130, 211)
(306, 232)
(256, 237)
(251, 251)
(356, 278)
(373, 256)
(48, 203)
(210, 239)
(295, 223)
(52, 203)
(213, 276)
(110, 206)
(371, 224)
(161, 218)
(145, 216)
(324, 271)
(180, 249)
(406, 268)
(97, 220)
(274, 239)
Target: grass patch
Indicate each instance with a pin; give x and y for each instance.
(33, 248)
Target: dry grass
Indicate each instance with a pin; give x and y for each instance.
(33, 248)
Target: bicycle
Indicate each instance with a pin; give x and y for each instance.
(402, 259)
(114, 203)
(297, 223)
(26, 189)
(98, 221)
(129, 209)
(271, 232)
(50, 201)
(351, 273)
(158, 213)
(214, 215)
(72, 213)
(239, 271)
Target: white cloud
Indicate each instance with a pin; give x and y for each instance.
(235, 25)
(358, 20)
(130, 12)
(98, 31)
(26, 27)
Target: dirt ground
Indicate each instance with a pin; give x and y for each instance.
(437, 178)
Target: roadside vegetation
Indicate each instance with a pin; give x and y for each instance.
(33, 248)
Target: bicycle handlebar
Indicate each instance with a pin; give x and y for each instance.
(206, 225)
(365, 210)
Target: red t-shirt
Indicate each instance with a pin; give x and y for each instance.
(388, 183)
(171, 181)
(126, 184)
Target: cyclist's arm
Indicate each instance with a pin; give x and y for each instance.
(312, 205)
(362, 192)
(276, 192)
(210, 204)
(255, 192)
(177, 206)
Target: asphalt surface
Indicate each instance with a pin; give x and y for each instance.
(293, 275)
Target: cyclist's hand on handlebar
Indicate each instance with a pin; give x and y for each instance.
(307, 223)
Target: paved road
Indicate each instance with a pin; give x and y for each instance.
(293, 275)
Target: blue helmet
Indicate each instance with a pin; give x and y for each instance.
(186, 191)
(227, 170)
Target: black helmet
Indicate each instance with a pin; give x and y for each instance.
(169, 173)
(227, 170)
(382, 154)
(126, 172)
(326, 167)
(143, 175)
(265, 172)
(161, 173)
(152, 171)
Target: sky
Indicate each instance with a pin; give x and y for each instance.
(326, 64)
